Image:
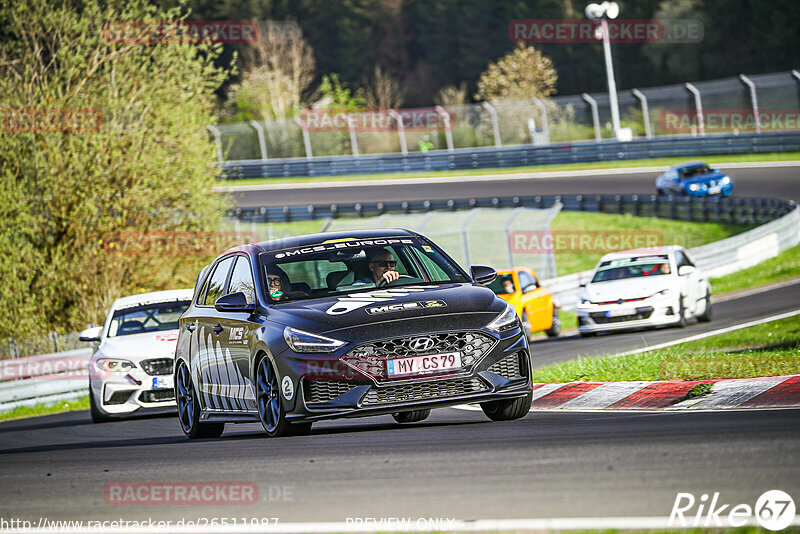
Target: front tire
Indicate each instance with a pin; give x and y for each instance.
(508, 409)
(270, 409)
(555, 328)
(414, 416)
(707, 312)
(189, 407)
(681, 313)
(526, 326)
(98, 416)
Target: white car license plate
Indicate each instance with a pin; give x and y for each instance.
(433, 363)
(162, 382)
(714, 190)
(619, 312)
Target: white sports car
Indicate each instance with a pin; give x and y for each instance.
(131, 368)
(643, 288)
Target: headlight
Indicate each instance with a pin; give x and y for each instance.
(112, 365)
(505, 321)
(725, 180)
(694, 187)
(300, 341)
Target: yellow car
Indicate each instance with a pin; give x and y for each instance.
(534, 304)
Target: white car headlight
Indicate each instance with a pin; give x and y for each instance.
(300, 341)
(694, 187)
(113, 365)
(505, 321)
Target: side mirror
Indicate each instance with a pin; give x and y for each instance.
(233, 302)
(582, 284)
(91, 335)
(683, 270)
(529, 288)
(482, 274)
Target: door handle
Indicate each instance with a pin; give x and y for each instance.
(190, 327)
(217, 329)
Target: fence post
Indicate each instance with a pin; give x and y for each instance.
(545, 125)
(217, 139)
(495, 127)
(698, 104)
(448, 133)
(401, 131)
(262, 143)
(353, 139)
(306, 138)
(648, 129)
(595, 117)
(753, 99)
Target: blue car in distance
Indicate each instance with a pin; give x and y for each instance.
(695, 179)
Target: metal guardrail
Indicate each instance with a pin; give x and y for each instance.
(473, 158)
(44, 378)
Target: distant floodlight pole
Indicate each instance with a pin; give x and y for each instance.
(753, 99)
(648, 130)
(218, 140)
(448, 133)
(595, 116)
(603, 12)
(262, 143)
(306, 138)
(401, 130)
(495, 126)
(698, 104)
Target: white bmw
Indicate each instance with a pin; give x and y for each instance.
(643, 288)
(131, 368)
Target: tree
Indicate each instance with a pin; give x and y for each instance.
(382, 91)
(140, 162)
(521, 74)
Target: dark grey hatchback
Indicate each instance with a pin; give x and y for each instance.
(293, 331)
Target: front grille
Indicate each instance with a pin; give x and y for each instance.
(508, 367)
(434, 389)
(371, 357)
(119, 397)
(157, 395)
(157, 366)
(322, 391)
(641, 313)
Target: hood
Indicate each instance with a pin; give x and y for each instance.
(136, 347)
(631, 288)
(377, 306)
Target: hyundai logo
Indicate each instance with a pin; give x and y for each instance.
(421, 344)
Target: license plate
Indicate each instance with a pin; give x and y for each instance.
(432, 363)
(162, 382)
(618, 312)
(714, 190)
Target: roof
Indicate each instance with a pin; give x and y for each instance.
(313, 239)
(641, 252)
(152, 297)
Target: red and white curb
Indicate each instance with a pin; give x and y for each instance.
(762, 392)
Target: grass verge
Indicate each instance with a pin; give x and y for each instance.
(769, 349)
(80, 403)
(657, 162)
(783, 266)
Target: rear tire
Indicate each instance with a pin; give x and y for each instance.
(555, 328)
(97, 415)
(508, 409)
(414, 416)
(189, 407)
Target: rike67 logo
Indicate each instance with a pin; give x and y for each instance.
(773, 510)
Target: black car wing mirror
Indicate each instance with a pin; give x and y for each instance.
(233, 302)
(482, 274)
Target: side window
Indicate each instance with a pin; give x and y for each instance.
(526, 280)
(216, 283)
(242, 279)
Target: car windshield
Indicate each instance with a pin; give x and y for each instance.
(694, 172)
(502, 285)
(633, 267)
(342, 266)
(147, 318)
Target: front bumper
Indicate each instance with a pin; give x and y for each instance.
(134, 391)
(647, 313)
(503, 371)
(723, 190)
